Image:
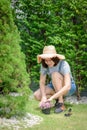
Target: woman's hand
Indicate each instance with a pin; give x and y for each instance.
(43, 100)
(49, 100)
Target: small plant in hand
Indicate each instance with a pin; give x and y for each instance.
(45, 107)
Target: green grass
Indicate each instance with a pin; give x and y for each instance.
(77, 121)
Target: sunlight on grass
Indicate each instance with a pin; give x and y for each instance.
(77, 121)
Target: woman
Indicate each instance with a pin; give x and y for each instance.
(62, 82)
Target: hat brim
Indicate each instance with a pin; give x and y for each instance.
(45, 56)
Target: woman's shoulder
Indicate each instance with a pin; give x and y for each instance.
(65, 67)
(64, 62)
(43, 70)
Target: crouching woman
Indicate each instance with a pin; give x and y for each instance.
(62, 84)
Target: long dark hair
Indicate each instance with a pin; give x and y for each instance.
(54, 59)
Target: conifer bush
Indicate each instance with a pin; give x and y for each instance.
(13, 74)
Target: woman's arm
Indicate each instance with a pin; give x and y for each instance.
(42, 86)
(65, 88)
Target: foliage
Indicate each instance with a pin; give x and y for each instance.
(14, 104)
(61, 23)
(13, 72)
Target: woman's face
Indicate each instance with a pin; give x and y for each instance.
(49, 62)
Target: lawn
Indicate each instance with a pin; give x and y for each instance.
(77, 121)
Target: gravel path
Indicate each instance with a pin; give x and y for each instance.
(16, 123)
(73, 99)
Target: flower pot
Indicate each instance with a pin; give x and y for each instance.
(46, 111)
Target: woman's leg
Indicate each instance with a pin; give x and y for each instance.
(49, 92)
(58, 81)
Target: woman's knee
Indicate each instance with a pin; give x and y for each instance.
(37, 95)
(57, 81)
(57, 76)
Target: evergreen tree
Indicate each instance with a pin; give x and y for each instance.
(13, 72)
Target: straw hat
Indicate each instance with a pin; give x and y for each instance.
(49, 52)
